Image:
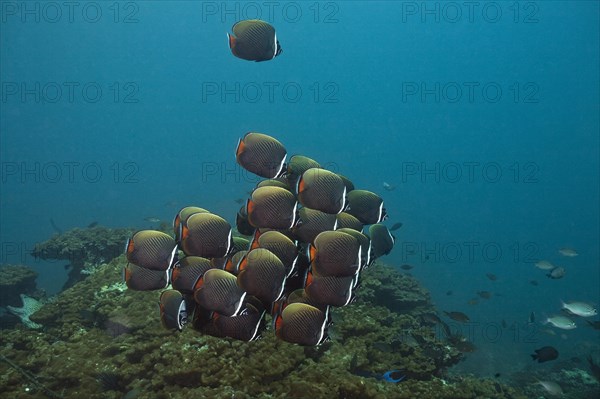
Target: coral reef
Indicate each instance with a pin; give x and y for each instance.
(84, 249)
(14, 281)
(395, 291)
(101, 341)
(575, 382)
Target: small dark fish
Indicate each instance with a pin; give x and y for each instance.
(217, 290)
(302, 324)
(556, 273)
(322, 190)
(382, 240)
(366, 206)
(497, 375)
(335, 253)
(396, 226)
(206, 235)
(262, 274)
(152, 250)
(462, 343)
(431, 318)
(491, 276)
(272, 207)
(484, 294)
(140, 278)
(92, 225)
(531, 318)
(261, 154)
(240, 201)
(406, 267)
(449, 292)
(312, 222)
(458, 316)
(334, 291)
(254, 40)
(545, 354)
(173, 313)
(533, 282)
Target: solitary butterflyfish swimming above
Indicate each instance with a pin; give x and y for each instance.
(254, 40)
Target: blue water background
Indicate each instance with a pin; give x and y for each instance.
(171, 142)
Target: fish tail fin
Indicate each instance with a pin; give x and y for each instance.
(545, 319)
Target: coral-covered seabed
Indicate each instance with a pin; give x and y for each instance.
(100, 340)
